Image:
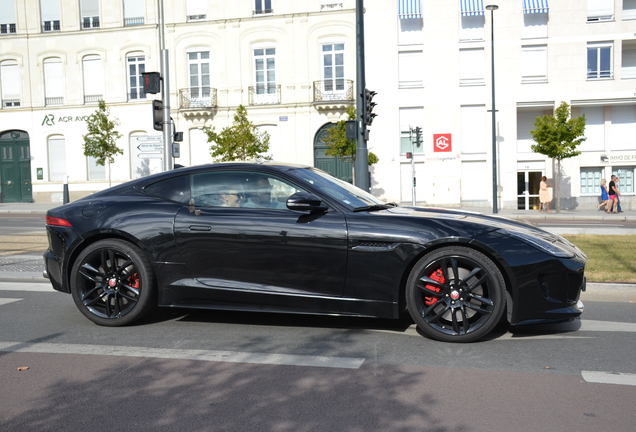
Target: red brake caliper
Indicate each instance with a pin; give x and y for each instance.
(437, 276)
(133, 281)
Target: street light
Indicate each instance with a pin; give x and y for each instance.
(493, 8)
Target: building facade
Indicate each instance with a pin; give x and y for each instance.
(291, 63)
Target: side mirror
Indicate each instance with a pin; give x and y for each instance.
(303, 201)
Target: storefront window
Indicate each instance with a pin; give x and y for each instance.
(625, 179)
(591, 181)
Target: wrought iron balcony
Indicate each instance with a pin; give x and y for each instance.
(133, 21)
(331, 90)
(51, 101)
(10, 103)
(92, 98)
(264, 94)
(197, 97)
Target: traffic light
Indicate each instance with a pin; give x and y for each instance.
(151, 82)
(418, 136)
(157, 115)
(368, 107)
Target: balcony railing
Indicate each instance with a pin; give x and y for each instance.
(136, 95)
(50, 26)
(197, 97)
(133, 21)
(7, 29)
(263, 12)
(264, 94)
(10, 103)
(92, 98)
(199, 17)
(338, 89)
(51, 101)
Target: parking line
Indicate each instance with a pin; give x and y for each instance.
(185, 354)
(609, 377)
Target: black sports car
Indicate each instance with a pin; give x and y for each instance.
(287, 238)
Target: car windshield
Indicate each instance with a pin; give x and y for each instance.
(340, 190)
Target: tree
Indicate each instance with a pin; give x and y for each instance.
(101, 140)
(241, 141)
(558, 136)
(339, 146)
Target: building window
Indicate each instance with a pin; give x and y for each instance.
(471, 28)
(134, 13)
(7, 17)
(594, 128)
(623, 128)
(136, 65)
(600, 10)
(411, 69)
(599, 60)
(50, 10)
(629, 9)
(57, 158)
(93, 69)
(333, 70)
(473, 128)
(471, 67)
(628, 59)
(53, 82)
(410, 118)
(535, 19)
(265, 90)
(591, 181)
(262, 7)
(525, 123)
(410, 22)
(95, 172)
(196, 10)
(89, 10)
(534, 64)
(199, 71)
(625, 179)
(10, 84)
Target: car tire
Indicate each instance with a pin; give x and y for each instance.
(113, 283)
(455, 294)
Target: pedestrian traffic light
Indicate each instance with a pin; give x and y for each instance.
(368, 107)
(409, 155)
(151, 82)
(157, 114)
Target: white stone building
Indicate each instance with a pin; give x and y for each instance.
(292, 64)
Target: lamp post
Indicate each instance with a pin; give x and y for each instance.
(493, 8)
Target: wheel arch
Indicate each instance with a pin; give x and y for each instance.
(476, 245)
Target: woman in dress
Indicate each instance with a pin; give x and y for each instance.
(544, 195)
(604, 196)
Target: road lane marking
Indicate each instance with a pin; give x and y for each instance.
(607, 326)
(4, 301)
(185, 354)
(26, 286)
(609, 377)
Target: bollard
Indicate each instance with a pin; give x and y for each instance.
(65, 198)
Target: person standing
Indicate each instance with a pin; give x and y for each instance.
(544, 195)
(618, 197)
(604, 196)
(613, 195)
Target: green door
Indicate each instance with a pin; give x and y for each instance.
(333, 165)
(15, 167)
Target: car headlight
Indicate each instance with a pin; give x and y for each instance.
(545, 242)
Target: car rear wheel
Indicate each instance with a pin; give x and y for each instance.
(112, 283)
(455, 294)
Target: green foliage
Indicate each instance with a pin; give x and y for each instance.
(101, 140)
(241, 141)
(558, 136)
(339, 146)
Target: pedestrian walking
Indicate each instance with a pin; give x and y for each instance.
(604, 195)
(613, 194)
(544, 195)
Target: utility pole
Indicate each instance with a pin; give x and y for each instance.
(361, 163)
(165, 94)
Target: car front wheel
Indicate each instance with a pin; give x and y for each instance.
(455, 294)
(112, 283)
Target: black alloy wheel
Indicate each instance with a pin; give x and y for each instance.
(112, 283)
(455, 294)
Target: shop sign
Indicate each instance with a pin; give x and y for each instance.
(51, 120)
(442, 143)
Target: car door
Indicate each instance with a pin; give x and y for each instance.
(259, 248)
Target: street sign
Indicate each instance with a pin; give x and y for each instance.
(151, 147)
(150, 155)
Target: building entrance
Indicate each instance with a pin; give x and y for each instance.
(15, 167)
(528, 180)
(333, 165)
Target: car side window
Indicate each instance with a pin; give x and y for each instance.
(173, 189)
(240, 189)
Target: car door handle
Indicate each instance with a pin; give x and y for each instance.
(200, 228)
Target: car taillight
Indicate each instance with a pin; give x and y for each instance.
(50, 220)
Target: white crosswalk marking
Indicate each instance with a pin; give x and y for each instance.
(609, 377)
(4, 301)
